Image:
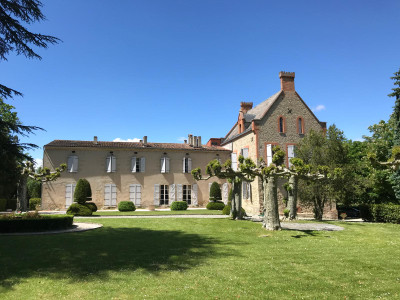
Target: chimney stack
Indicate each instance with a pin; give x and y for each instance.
(198, 144)
(185, 141)
(194, 141)
(190, 140)
(245, 106)
(287, 81)
(145, 140)
(95, 140)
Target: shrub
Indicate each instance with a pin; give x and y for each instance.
(34, 222)
(215, 192)
(82, 191)
(3, 204)
(179, 205)
(91, 205)
(34, 203)
(12, 204)
(215, 205)
(77, 209)
(34, 188)
(386, 213)
(126, 206)
(228, 207)
(286, 212)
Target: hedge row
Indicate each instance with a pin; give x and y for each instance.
(126, 206)
(386, 213)
(20, 224)
(179, 205)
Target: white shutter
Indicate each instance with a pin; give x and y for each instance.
(113, 195)
(290, 150)
(132, 193)
(108, 164)
(171, 193)
(249, 190)
(189, 164)
(163, 165)
(113, 164)
(70, 163)
(156, 194)
(194, 194)
(244, 189)
(107, 195)
(138, 197)
(234, 161)
(68, 195)
(225, 192)
(180, 192)
(269, 154)
(183, 165)
(133, 164)
(75, 164)
(209, 189)
(142, 164)
(167, 164)
(245, 152)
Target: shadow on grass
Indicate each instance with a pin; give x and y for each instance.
(91, 255)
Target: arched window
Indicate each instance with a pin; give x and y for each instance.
(300, 125)
(281, 125)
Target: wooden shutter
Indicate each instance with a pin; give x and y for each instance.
(183, 165)
(75, 164)
(244, 189)
(234, 161)
(163, 165)
(209, 189)
(113, 164)
(132, 193)
(107, 195)
(225, 192)
(70, 163)
(249, 190)
(68, 195)
(108, 164)
(172, 193)
(189, 165)
(194, 194)
(180, 192)
(142, 164)
(269, 154)
(138, 196)
(167, 164)
(156, 194)
(290, 150)
(133, 164)
(113, 195)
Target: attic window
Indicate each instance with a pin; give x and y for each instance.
(300, 125)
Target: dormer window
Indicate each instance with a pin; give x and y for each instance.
(281, 124)
(73, 164)
(300, 125)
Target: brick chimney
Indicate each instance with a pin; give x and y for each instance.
(287, 81)
(245, 106)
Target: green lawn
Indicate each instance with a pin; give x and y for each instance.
(202, 259)
(157, 213)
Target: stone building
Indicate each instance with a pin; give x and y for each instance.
(283, 119)
(145, 173)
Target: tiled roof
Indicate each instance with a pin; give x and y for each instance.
(126, 145)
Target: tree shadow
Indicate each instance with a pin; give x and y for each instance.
(91, 255)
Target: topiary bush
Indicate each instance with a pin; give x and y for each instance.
(126, 206)
(77, 209)
(34, 222)
(3, 204)
(83, 192)
(179, 205)
(92, 206)
(34, 203)
(215, 205)
(215, 192)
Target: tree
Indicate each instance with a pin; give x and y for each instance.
(14, 37)
(215, 192)
(83, 191)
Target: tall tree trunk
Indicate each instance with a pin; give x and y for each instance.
(22, 194)
(292, 196)
(236, 208)
(319, 204)
(271, 212)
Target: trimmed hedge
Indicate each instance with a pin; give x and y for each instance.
(3, 204)
(18, 223)
(179, 205)
(77, 209)
(126, 206)
(83, 192)
(215, 192)
(215, 205)
(385, 213)
(34, 203)
(91, 205)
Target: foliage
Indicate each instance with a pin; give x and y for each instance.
(286, 212)
(386, 213)
(215, 192)
(34, 203)
(3, 204)
(218, 205)
(179, 205)
(77, 209)
(159, 212)
(92, 206)
(34, 188)
(227, 209)
(126, 206)
(30, 222)
(230, 195)
(83, 191)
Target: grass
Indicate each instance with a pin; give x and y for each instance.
(202, 259)
(158, 213)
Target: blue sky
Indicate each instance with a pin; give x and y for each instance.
(164, 69)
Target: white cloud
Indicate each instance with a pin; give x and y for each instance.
(181, 139)
(319, 107)
(38, 162)
(134, 140)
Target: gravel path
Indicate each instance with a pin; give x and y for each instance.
(158, 217)
(77, 227)
(310, 226)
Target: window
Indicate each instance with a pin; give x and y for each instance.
(164, 196)
(290, 153)
(300, 126)
(69, 194)
(110, 195)
(135, 193)
(246, 190)
(73, 164)
(234, 161)
(187, 194)
(269, 153)
(138, 164)
(111, 164)
(245, 152)
(164, 164)
(281, 125)
(187, 165)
